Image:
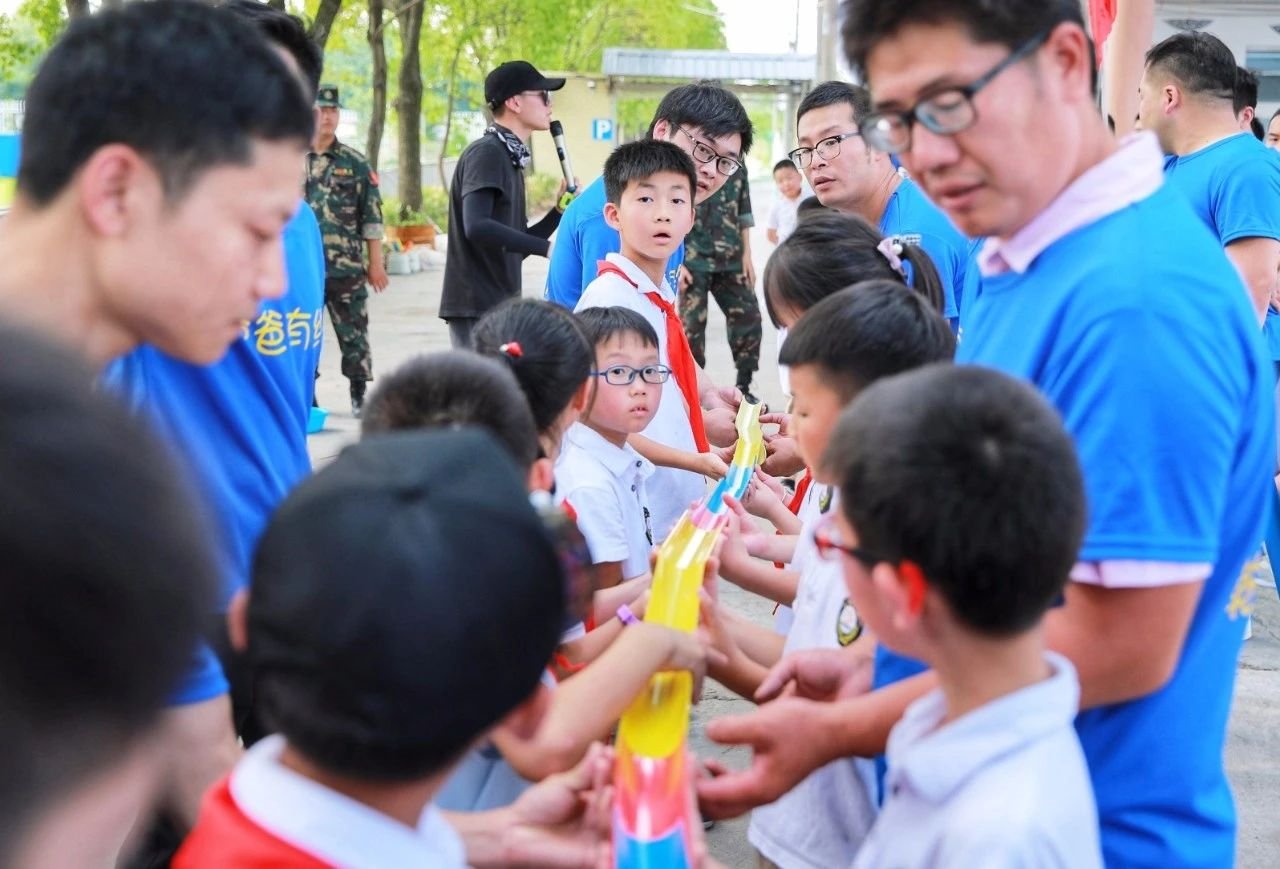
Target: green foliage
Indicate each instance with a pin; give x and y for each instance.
(435, 209)
(541, 192)
(24, 38)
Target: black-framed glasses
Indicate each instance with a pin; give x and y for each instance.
(827, 149)
(704, 153)
(829, 548)
(945, 112)
(625, 375)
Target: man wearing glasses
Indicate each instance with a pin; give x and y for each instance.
(704, 119)
(489, 235)
(1102, 287)
(850, 176)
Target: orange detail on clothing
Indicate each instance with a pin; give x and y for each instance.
(679, 354)
(225, 836)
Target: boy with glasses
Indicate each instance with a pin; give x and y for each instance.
(848, 173)
(600, 475)
(1080, 229)
(490, 235)
(708, 123)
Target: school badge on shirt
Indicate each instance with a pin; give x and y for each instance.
(848, 625)
(824, 499)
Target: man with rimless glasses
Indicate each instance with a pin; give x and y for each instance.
(849, 174)
(1101, 287)
(489, 235)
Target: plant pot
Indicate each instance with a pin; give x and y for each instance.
(419, 233)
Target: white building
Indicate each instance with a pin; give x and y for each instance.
(1250, 29)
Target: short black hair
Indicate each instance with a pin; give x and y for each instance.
(829, 251)
(969, 474)
(601, 324)
(1200, 62)
(868, 331)
(641, 160)
(107, 579)
(709, 107)
(198, 88)
(1255, 127)
(810, 204)
(1010, 23)
(831, 93)
(784, 164)
(288, 32)
(1246, 92)
(455, 389)
(544, 346)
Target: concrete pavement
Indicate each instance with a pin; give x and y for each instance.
(404, 323)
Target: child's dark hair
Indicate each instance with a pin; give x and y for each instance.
(641, 160)
(455, 389)
(830, 251)
(810, 205)
(601, 324)
(546, 351)
(785, 164)
(107, 580)
(714, 110)
(868, 331)
(969, 474)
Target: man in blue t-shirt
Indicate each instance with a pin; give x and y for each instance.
(1102, 287)
(705, 120)
(851, 178)
(1230, 178)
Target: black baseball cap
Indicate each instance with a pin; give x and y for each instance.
(405, 599)
(516, 77)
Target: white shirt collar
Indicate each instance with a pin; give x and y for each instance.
(616, 460)
(934, 761)
(642, 281)
(331, 826)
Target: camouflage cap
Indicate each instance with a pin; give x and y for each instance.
(327, 96)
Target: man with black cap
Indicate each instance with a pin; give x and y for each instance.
(489, 235)
(342, 189)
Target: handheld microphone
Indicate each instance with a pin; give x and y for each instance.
(557, 136)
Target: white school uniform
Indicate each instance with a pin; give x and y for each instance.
(1005, 785)
(671, 491)
(816, 503)
(331, 826)
(605, 485)
(823, 820)
(783, 215)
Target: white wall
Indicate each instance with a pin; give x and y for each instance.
(1243, 26)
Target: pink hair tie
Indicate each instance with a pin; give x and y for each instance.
(512, 349)
(890, 248)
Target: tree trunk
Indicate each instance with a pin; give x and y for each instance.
(323, 23)
(409, 105)
(112, 4)
(448, 115)
(77, 8)
(378, 113)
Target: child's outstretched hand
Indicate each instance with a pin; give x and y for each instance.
(765, 498)
(710, 465)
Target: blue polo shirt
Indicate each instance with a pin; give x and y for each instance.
(1233, 185)
(241, 423)
(1169, 404)
(582, 240)
(910, 213)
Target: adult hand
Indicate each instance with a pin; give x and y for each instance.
(377, 276)
(721, 427)
(782, 458)
(820, 674)
(721, 397)
(790, 738)
(749, 269)
(684, 278)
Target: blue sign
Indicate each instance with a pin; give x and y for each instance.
(602, 129)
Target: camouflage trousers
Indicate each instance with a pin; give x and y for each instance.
(348, 302)
(737, 299)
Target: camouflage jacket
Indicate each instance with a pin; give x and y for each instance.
(343, 192)
(715, 242)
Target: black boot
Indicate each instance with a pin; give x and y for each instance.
(744, 385)
(357, 397)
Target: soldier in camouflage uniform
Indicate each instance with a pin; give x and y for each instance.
(343, 192)
(718, 257)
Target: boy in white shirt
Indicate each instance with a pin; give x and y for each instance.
(839, 347)
(601, 477)
(962, 513)
(649, 186)
(785, 210)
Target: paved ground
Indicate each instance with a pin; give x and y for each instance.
(403, 323)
